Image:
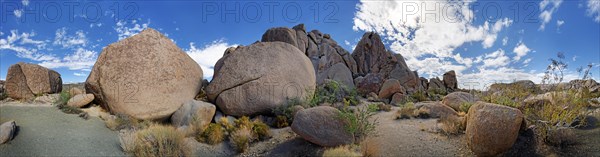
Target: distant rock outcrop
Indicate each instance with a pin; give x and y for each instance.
(25, 81)
(145, 76)
(255, 79)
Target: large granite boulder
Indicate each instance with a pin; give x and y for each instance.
(492, 129)
(145, 76)
(25, 81)
(389, 88)
(370, 83)
(435, 83)
(372, 57)
(338, 72)
(257, 78)
(322, 126)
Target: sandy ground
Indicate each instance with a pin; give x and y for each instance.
(415, 137)
(46, 131)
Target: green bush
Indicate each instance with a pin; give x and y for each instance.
(357, 122)
(419, 96)
(332, 92)
(61, 103)
(465, 106)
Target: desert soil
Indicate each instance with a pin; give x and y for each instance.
(43, 130)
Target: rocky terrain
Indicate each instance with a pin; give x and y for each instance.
(293, 93)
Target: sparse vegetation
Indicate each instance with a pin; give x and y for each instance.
(158, 140)
(357, 122)
(3, 95)
(212, 135)
(284, 113)
(451, 125)
(240, 135)
(61, 103)
(369, 148)
(419, 96)
(261, 130)
(562, 137)
(241, 138)
(344, 151)
(122, 121)
(465, 106)
(127, 140)
(332, 92)
(406, 112)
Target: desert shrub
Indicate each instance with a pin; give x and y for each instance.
(562, 137)
(3, 95)
(419, 96)
(287, 109)
(127, 140)
(159, 140)
(61, 103)
(281, 122)
(373, 107)
(451, 125)
(122, 121)
(405, 112)
(332, 92)
(212, 135)
(369, 148)
(261, 130)
(223, 121)
(244, 121)
(344, 151)
(384, 107)
(511, 95)
(554, 120)
(465, 106)
(357, 122)
(241, 138)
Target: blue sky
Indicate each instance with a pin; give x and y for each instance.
(484, 41)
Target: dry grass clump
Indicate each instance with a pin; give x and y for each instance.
(158, 141)
(384, 107)
(406, 112)
(369, 148)
(241, 138)
(122, 121)
(240, 135)
(127, 140)
(451, 125)
(281, 122)
(344, 151)
(213, 134)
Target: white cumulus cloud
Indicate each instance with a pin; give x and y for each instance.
(208, 55)
(25, 46)
(593, 9)
(126, 29)
(548, 7)
(520, 50)
(62, 38)
(81, 59)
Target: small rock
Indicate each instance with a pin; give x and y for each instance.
(389, 88)
(194, 114)
(7, 131)
(75, 91)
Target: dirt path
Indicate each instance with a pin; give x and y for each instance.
(46, 131)
(415, 137)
